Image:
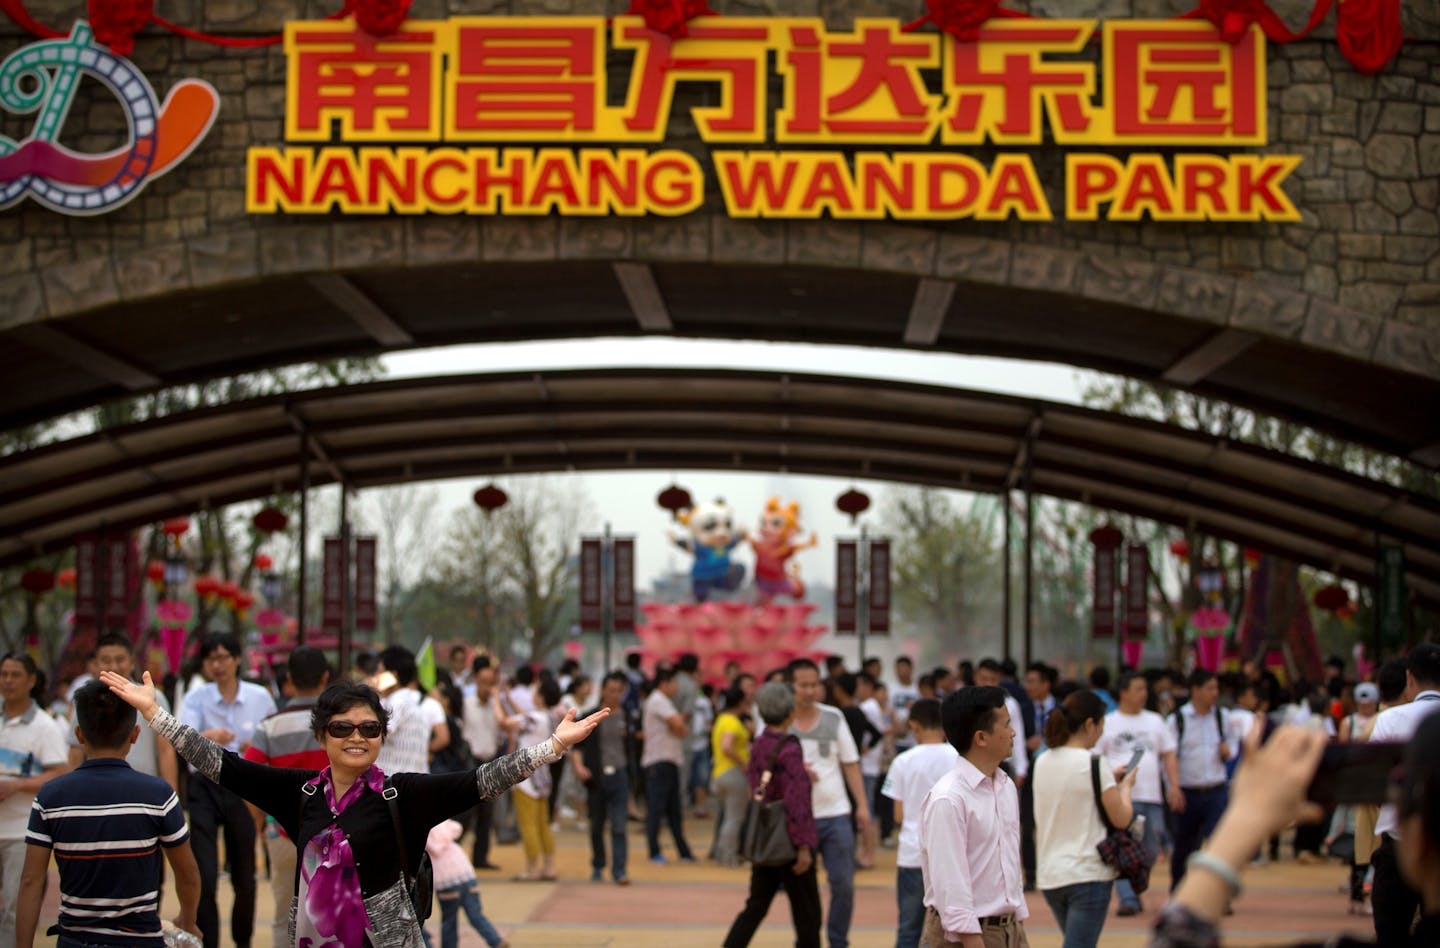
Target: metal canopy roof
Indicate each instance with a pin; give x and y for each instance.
(115, 351)
(484, 425)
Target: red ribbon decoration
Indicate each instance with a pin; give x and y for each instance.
(379, 18)
(671, 17)
(116, 22)
(962, 19)
(1369, 33)
(1233, 18)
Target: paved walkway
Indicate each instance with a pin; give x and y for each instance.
(684, 905)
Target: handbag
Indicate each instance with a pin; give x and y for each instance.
(420, 884)
(764, 837)
(1119, 849)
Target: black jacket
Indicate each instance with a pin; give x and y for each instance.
(590, 750)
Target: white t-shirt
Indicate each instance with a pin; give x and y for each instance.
(1067, 821)
(901, 698)
(1124, 734)
(521, 698)
(433, 712)
(910, 778)
(534, 729)
(407, 744)
(35, 733)
(827, 745)
(870, 760)
(660, 745)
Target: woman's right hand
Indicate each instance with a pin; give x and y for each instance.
(140, 697)
(804, 859)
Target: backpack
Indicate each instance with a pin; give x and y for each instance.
(1180, 727)
(455, 757)
(420, 884)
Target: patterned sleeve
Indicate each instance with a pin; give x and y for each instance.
(499, 775)
(1178, 927)
(199, 752)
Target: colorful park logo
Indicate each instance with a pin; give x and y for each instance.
(43, 78)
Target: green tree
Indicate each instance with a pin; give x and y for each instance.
(519, 563)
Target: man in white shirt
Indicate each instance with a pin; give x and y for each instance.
(903, 693)
(1128, 729)
(834, 765)
(149, 754)
(908, 782)
(407, 744)
(1393, 901)
(32, 753)
(665, 730)
(227, 711)
(988, 674)
(484, 728)
(970, 832)
(1204, 744)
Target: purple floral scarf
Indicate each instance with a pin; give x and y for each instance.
(331, 908)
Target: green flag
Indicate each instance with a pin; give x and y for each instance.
(425, 665)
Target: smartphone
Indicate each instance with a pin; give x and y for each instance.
(1134, 761)
(1356, 773)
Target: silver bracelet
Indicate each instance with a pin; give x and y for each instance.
(1216, 866)
(564, 748)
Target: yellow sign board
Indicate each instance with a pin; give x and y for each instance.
(517, 115)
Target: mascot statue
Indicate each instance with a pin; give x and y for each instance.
(710, 538)
(777, 542)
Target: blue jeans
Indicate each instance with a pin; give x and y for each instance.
(465, 896)
(1080, 911)
(608, 797)
(837, 850)
(1154, 814)
(910, 906)
(662, 802)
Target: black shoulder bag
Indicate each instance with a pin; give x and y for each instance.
(764, 837)
(1119, 849)
(420, 885)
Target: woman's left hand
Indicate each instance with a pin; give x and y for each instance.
(572, 732)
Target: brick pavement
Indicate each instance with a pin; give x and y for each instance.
(677, 905)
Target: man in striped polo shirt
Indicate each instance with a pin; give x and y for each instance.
(106, 825)
(285, 739)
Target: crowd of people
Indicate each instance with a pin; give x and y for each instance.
(987, 781)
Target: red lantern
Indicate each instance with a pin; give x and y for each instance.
(207, 586)
(263, 561)
(176, 527)
(65, 579)
(853, 503)
(227, 591)
(243, 600)
(37, 582)
(490, 498)
(1180, 549)
(270, 520)
(155, 572)
(1252, 555)
(1332, 598)
(675, 499)
(1107, 537)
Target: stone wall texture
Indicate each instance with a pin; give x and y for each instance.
(1360, 274)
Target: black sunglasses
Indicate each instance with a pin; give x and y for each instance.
(343, 729)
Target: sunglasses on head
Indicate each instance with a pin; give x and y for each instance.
(343, 729)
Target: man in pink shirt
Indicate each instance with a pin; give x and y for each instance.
(970, 832)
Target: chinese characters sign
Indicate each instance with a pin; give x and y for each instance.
(526, 115)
